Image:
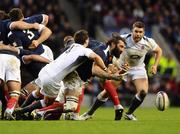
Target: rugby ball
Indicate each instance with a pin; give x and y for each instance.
(162, 101)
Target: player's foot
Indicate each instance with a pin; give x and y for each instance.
(86, 116)
(130, 117)
(37, 115)
(71, 116)
(118, 114)
(8, 114)
(53, 114)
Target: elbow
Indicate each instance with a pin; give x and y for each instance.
(48, 31)
(46, 19)
(160, 52)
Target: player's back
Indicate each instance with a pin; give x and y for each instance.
(4, 30)
(28, 35)
(85, 70)
(67, 61)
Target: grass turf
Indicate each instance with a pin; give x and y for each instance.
(150, 121)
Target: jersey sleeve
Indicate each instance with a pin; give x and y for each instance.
(87, 52)
(39, 18)
(124, 35)
(8, 26)
(14, 40)
(47, 53)
(152, 43)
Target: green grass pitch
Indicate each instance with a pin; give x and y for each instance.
(150, 121)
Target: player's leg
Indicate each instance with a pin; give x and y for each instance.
(36, 105)
(14, 92)
(110, 91)
(80, 99)
(111, 88)
(100, 100)
(2, 98)
(34, 95)
(73, 89)
(141, 86)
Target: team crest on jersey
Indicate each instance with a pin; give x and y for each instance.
(142, 47)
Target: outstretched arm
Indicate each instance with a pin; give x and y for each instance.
(34, 57)
(9, 48)
(97, 71)
(98, 60)
(21, 25)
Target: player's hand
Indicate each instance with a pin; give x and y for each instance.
(124, 68)
(153, 69)
(34, 44)
(112, 69)
(116, 77)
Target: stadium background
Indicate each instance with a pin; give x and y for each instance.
(102, 17)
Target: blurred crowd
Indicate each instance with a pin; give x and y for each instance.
(122, 13)
(58, 20)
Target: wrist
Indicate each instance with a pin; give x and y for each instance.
(105, 68)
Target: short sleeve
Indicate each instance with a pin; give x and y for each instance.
(35, 18)
(87, 52)
(152, 43)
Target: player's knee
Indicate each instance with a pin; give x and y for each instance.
(71, 104)
(14, 93)
(142, 94)
(48, 101)
(102, 98)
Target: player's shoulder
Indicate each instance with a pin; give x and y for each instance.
(35, 18)
(126, 36)
(148, 39)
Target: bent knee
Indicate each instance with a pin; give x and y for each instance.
(142, 94)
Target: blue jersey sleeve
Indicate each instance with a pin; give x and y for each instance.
(36, 18)
(24, 52)
(14, 40)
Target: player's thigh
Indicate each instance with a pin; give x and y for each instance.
(13, 69)
(141, 84)
(73, 84)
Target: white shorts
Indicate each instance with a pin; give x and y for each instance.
(9, 68)
(71, 82)
(48, 86)
(136, 73)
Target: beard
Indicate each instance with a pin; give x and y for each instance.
(116, 52)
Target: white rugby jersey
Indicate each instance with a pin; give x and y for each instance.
(66, 62)
(134, 53)
(47, 53)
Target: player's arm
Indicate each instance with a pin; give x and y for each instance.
(158, 54)
(34, 57)
(45, 33)
(98, 60)
(45, 19)
(21, 25)
(9, 48)
(97, 71)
